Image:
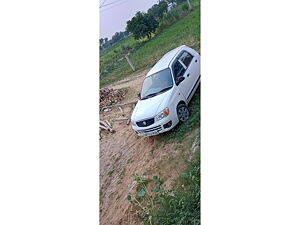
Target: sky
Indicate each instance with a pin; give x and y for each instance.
(115, 13)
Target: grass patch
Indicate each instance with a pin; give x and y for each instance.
(122, 173)
(111, 172)
(181, 205)
(130, 161)
(184, 208)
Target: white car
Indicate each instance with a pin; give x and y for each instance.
(166, 92)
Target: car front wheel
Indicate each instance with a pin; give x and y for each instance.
(183, 113)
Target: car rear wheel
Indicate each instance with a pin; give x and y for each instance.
(183, 113)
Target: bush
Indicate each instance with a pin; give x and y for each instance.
(185, 7)
(172, 16)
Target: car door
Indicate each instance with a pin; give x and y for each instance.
(182, 68)
(191, 60)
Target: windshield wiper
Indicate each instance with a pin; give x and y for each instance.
(150, 95)
(165, 89)
(153, 94)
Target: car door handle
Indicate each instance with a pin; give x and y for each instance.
(188, 75)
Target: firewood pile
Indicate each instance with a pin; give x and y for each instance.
(109, 96)
(105, 125)
(110, 101)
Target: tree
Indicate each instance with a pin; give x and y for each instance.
(142, 25)
(162, 8)
(101, 41)
(116, 37)
(171, 2)
(158, 10)
(154, 10)
(151, 24)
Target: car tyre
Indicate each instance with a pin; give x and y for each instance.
(183, 113)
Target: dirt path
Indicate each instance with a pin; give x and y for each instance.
(124, 154)
(135, 81)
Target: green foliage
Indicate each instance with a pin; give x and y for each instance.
(153, 10)
(117, 37)
(180, 206)
(185, 7)
(180, 1)
(101, 40)
(142, 25)
(141, 193)
(158, 10)
(172, 16)
(171, 2)
(162, 8)
(183, 208)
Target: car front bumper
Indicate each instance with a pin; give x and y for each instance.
(158, 127)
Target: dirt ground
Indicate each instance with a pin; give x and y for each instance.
(123, 154)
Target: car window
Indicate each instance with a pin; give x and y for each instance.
(178, 69)
(186, 58)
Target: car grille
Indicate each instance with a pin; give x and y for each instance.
(145, 123)
(157, 128)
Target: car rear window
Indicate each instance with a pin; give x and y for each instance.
(186, 58)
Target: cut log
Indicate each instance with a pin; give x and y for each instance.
(106, 109)
(103, 127)
(128, 121)
(108, 123)
(108, 129)
(103, 123)
(122, 112)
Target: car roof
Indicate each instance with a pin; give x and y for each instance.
(164, 62)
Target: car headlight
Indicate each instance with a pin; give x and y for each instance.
(162, 114)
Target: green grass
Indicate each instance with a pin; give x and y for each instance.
(185, 31)
(180, 131)
(117, 47)
(156, 205)
(184, 208)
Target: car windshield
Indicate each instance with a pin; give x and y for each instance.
(157, 83)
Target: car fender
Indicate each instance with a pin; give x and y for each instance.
(174, 101)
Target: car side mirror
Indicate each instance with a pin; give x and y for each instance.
(179, 80)
(139, 95)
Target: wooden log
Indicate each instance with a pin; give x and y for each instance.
(129, 62)
(106, 121)
(128, 121)
(122, 112)
(103, 127)
(103, 123)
